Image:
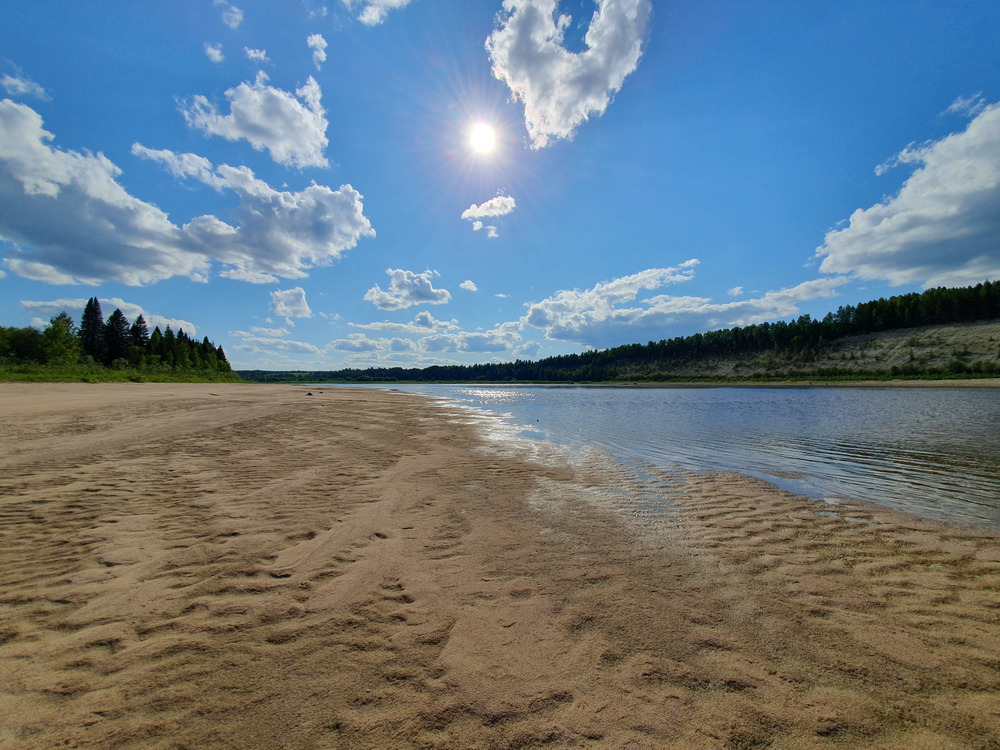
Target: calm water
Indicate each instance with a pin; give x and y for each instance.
(930, 451)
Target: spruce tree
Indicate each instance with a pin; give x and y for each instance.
(116, 337)
(92, 330)
(139, 334)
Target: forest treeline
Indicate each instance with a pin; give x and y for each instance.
(796, 341)
(115, 344)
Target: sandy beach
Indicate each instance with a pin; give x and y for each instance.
(230, 566)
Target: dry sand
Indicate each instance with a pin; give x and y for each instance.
(188, 566)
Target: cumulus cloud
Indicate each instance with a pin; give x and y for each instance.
(83, 226)
(21, 85)
(317, 44)
(374, 12)
(68, 220)
(561, 89)
(231, 15)
(468, 286)
(941, 228)
(214, 52)
(498, 206)
(612, 312)
(258, 56)
(292, 128)
(48, 309)
(279, 233)
(291, 303)
(407, 289)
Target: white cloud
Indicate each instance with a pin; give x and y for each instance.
(68, 220)
(214, 52)
(265, 345)
(468, 286)
(499, 206)
(421, 324)
(561, 89)
(355, 342)
(736, 291)
(968, 105)
(21, 85)
(292, 128)
(527, 350)
(407, 289)
(374, 12)
(270, 332)
(941, 228)
(74, 307)
(82, 224)
(318, 45)
(258, 56)
(610, 314)
(231, 15)
(291, 303)
(280, 233)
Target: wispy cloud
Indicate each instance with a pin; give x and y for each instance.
(214, 52)
(374, 12)
(258, 56)
(20, 85)
(231, 15)
(616, 311)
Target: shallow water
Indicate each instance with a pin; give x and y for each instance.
(934, 452)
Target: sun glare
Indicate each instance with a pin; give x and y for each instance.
(482, 138)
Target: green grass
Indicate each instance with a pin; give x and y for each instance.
(97, 374)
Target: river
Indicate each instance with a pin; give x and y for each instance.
(933, 452)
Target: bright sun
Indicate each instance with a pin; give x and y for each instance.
(482, 138)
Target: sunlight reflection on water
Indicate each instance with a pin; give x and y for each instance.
(930, 451)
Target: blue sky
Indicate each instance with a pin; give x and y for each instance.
(297, 181)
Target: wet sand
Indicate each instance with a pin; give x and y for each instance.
(254, 567)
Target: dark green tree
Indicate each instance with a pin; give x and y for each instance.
(92, 330)
(116, 337)
(139, 333)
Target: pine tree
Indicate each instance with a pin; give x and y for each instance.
(116, 337)
(92, 330)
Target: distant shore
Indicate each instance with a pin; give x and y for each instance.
(308, 566)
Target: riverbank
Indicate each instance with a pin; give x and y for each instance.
(282, 566)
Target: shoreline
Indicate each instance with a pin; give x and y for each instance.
(253, 566)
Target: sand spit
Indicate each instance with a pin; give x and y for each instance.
(189, 566)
